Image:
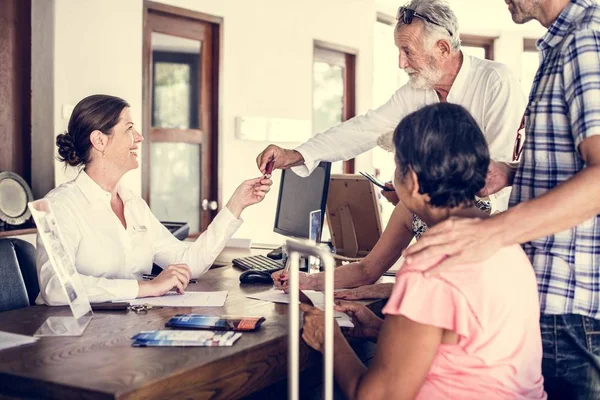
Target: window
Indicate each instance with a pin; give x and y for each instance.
(478, 46)
(179, 165)
(175, 97)
(333, 91)
(530, 61)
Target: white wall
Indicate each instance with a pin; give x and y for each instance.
(97, 49)
(267, 55)
(267, 70)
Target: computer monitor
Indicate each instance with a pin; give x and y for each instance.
(298, 197)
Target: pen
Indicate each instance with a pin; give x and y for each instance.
(285, 271)
(149, 277)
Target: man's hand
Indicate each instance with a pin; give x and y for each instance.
(313, 331)
(283, 158)
(499, 176)
(375, 291)
(456, 241)
(390, 195)
(366, 324)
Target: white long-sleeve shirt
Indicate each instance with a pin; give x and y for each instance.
(110, 258)
(487, 89)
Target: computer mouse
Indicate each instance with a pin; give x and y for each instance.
(251, 276)
(275, 254)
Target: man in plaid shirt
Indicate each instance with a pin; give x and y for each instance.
(555, 201)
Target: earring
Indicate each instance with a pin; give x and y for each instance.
(103, 154)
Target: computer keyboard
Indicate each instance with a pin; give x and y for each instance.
(258, 263)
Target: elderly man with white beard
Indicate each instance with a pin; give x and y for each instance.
(428, 41)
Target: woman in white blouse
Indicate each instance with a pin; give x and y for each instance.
(112, 234)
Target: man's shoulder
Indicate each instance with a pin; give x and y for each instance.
(583, 31)
(492, 71)
(589, 19)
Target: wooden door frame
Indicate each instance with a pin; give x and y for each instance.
(349, 65)
(529, 45)
(15, 87)
(210, 99)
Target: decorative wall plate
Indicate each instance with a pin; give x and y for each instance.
(14, 196)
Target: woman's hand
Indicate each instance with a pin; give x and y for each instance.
(366, 324)
(174, 276)
(313, 331)
(249, 192)
(280, 279)
(390, 195)
(375, 291)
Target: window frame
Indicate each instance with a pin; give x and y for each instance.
(529, 45)
(191, 60)
(485, 42)
(181, 22)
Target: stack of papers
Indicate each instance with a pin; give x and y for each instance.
(188, 299)
(8, 340)
(184, 338)
(275, 295)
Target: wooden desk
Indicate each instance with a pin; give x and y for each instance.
(102, 363)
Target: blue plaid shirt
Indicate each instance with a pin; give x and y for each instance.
(563, 110)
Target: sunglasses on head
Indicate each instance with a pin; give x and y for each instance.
(406, 15)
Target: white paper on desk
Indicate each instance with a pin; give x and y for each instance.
(8, 340)
(275, 295)
(188, 299)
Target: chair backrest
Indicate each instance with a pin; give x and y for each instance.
(18, 275)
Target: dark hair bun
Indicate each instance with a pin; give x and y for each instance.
(464, 179)
(96, 112)
(66, 150)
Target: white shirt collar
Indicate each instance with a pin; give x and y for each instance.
(458, 86)
(94, 193)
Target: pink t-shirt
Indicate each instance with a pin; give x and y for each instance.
(493, 307)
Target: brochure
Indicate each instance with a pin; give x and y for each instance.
(176, 338)
(215, 322)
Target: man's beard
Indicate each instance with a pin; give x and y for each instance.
(427, 78)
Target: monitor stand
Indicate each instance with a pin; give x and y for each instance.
(348, 232)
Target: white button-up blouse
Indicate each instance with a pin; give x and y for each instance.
(110, 258)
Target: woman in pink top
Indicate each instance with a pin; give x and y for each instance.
(470, 333)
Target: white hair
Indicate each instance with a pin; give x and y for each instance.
(445, 21)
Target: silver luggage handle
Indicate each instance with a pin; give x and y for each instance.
(295, 249)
